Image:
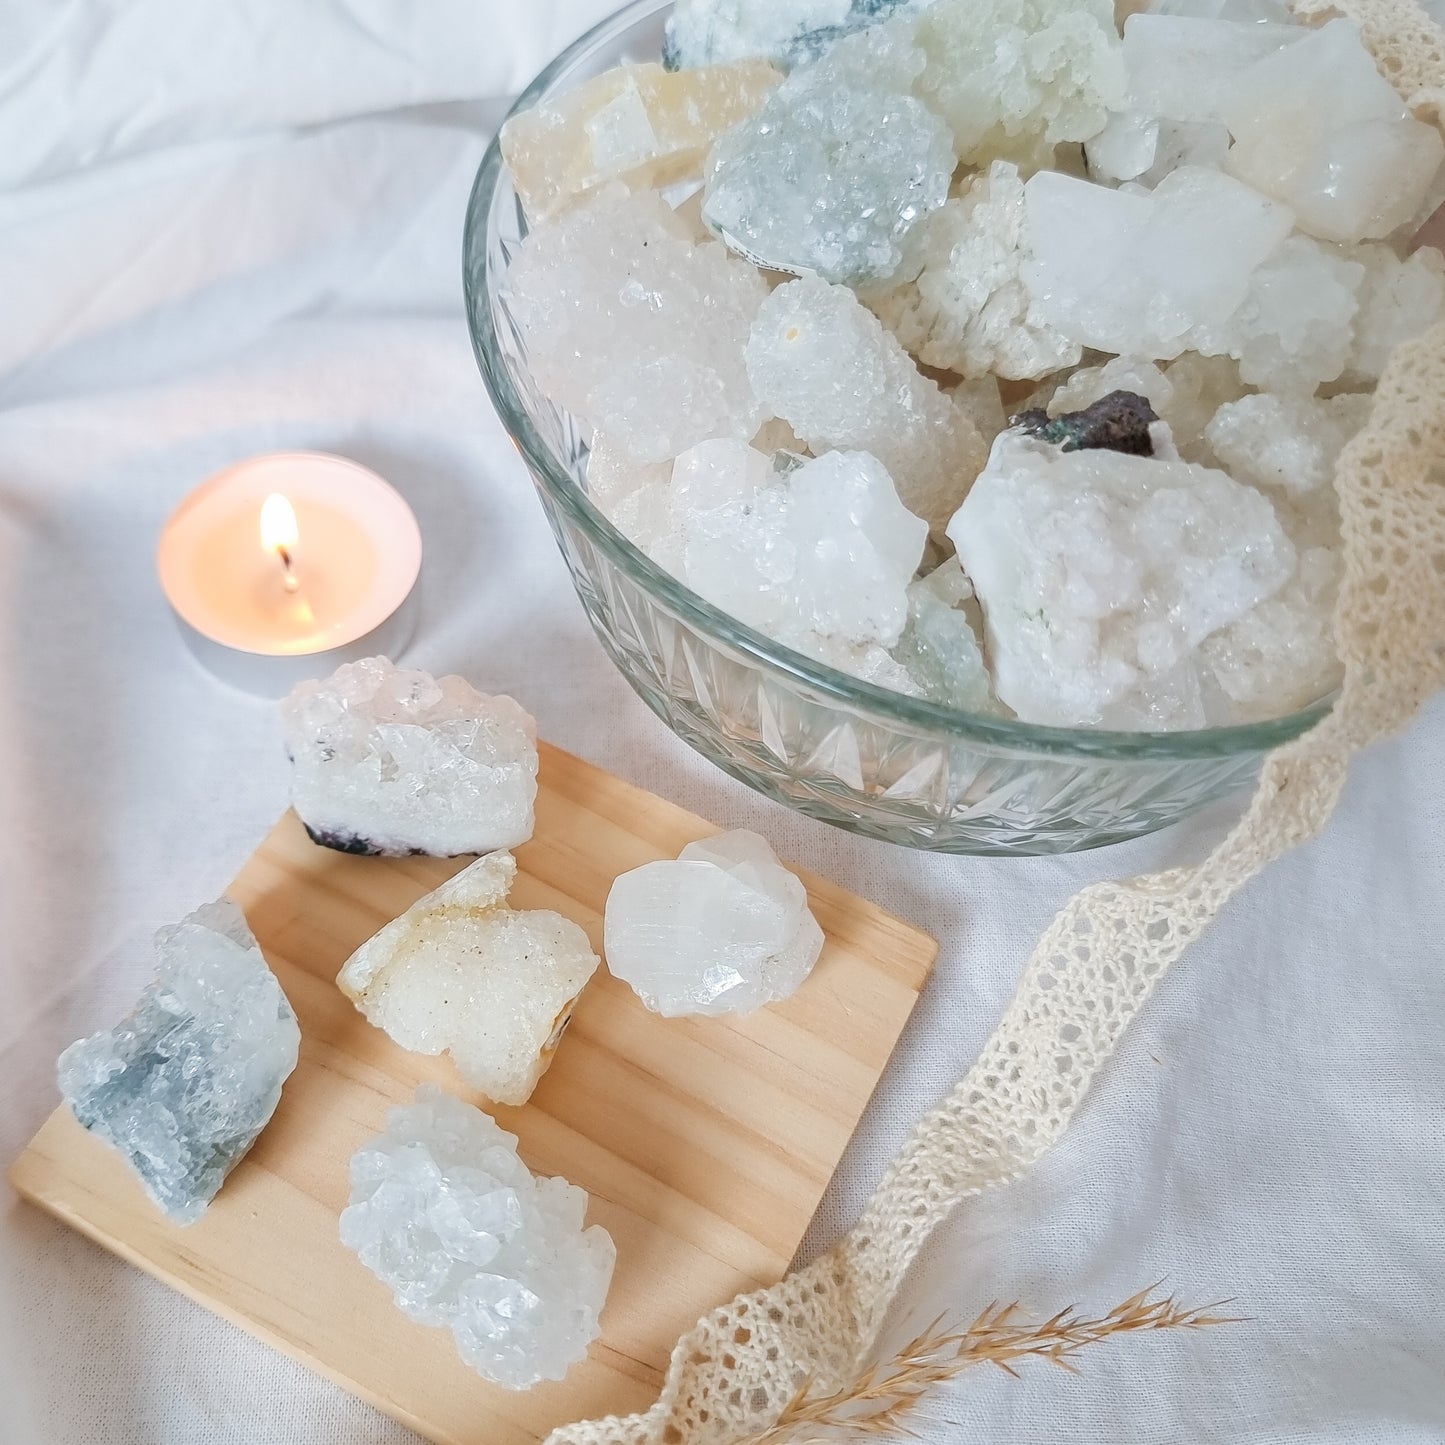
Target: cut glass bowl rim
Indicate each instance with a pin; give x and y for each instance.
(918, 715)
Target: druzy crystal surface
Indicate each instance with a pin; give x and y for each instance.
(1101, 574)
(724, 928)
(1015, 78)
(822, 361)
(968, 310)
(637, 124)
(636, 327)
(393, 761)
(185, 1084)
(447, 1216)
(462, 973)
(832, 174)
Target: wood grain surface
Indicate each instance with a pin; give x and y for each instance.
(705, 1144)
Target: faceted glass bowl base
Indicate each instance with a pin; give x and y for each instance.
(840, 750)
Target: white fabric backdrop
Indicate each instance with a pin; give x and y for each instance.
(235, 228)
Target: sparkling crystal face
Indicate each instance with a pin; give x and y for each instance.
(394, 761)
(724, 928)
(446, 1215)
(462, 973)
(185, 1084)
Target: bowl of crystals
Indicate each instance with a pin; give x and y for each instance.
(937, 402)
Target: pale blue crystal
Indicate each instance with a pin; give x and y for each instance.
(185, 1084)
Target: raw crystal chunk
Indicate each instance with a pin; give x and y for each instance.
(1136, 273)
(1294, 327)
(1289, 443)
(637, 124)
(447, 1216)
(822, 361)
(940, 645)
(1189, 69)
(791, 32)
(1101, 573)
(723, 929)
(832, 174)
(1090, 384)
(969, 310)
(825, 549)
(183, 1087)
(1316, 126)
(462, 973)
(1202, 384)
(1280, 656)
(636, 328)
(1399, 299)
(394, 761)
(1015, 78)
(612, 476)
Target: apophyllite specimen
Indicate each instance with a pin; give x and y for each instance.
(394, 761)
(185, 1084)
(448, 1217)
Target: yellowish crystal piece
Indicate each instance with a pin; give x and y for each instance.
(639, 124)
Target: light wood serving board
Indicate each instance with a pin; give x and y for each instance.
(705, 1144)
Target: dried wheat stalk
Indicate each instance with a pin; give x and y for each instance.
(881, 1400)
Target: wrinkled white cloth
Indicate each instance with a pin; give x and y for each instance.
(232, 229)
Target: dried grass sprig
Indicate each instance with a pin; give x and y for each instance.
(883, 1399)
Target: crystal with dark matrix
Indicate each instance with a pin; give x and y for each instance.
(1118, 422)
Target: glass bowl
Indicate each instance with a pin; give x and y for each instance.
(875, 762)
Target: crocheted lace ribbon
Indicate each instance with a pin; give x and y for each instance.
(732, 1374)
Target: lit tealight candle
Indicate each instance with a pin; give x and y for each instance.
(285, 566)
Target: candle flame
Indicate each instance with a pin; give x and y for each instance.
(278, 525)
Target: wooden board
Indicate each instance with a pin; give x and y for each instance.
(705, 1144)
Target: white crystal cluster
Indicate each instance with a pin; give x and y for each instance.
(635, 326)
(462, 973)
(447, 1216)
(185, 1084)
(951, 212)
(724, 928)
(394, 761)
(877, 158)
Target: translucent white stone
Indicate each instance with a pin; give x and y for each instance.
(1100, 575)
(1399, 300)
(1120, 373)
(791, 32)
(1280, 656)
(822, 361)
(723, 929)
(1135, 273)
(825, 549)
(186, 1083)
(462, 973)
(1295, 326)
(394, 761)
(832, 174)
(635, 327)
(969, 310)
(866, 661)
(636, 124)
(1145, 148)
(1289, 443)
(1201, 385)
(1188, 69)
(1015, 78)
(612, 476)
(447, 1216)
(1250, 11)
(1316, 126)
(940, 647)
(981, 400)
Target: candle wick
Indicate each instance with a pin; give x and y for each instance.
(292, 584)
